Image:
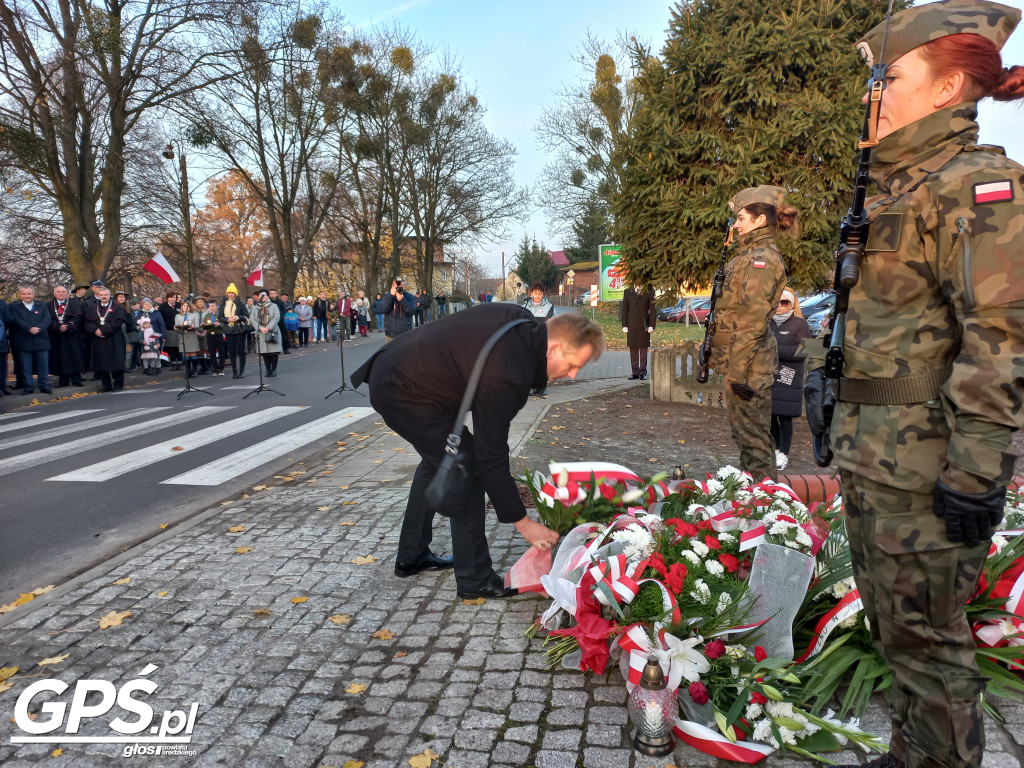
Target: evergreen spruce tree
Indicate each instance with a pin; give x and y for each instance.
(533, 263)
(591, 230)
(745, 93)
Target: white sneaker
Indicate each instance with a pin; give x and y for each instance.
(781, 460)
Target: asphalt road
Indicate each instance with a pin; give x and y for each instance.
(83, 479)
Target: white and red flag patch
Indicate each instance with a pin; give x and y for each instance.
(993, 192)
(759, 264)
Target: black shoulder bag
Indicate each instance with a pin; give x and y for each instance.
(447, 492)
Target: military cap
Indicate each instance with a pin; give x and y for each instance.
(97, 284)
(763, 194)
(914, 27)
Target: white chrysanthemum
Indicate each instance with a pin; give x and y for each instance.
(780, 708)
(700, 547)
(753, 712)
(1008, 627)
(998, 542)
(743, 496)
(714, 486)
(690, 557)
(694, 510)
(714, 567)
(788, 736)
(849, 622)
(729, 472)
(701, 592)
(653, 522)
(763, 730)
(760, 493)
(724, 601)
(726, 538)
(841, 588)
(638, 542)
(780, 528)
(803, 538)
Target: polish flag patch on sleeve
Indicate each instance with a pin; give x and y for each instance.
(759, 264)
(993, 192)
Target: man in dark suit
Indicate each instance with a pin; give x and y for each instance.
(31, 322)
(66, 348)
(417, 383)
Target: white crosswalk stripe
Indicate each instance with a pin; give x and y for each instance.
(7, 416)
(228, 467)
(105, 439)
(129, 462)
(47, 419)
(79, 426)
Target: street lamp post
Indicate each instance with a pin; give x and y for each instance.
(186, 217)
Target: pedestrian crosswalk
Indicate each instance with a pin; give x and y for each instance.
(179, 451)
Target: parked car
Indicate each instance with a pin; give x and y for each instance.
(663, 314)
(699, 309)
(816, 310)
(583, 299)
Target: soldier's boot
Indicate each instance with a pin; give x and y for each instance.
(882, 761)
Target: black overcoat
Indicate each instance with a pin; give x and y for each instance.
(788, 388)
(21, 319)
(429, 370)
(638, 313)
(107, 353)
(67, 352)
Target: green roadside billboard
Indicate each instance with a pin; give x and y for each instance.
(612, 283)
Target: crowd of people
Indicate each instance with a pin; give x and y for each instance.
(57, 341)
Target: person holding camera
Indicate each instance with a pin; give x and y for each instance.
(398, 308)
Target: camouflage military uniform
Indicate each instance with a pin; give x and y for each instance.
(939, 309)
(744, 349)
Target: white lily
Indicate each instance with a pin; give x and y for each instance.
(681, 660)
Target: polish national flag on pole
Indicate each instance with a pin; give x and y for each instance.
(256, 278)
(161, 267)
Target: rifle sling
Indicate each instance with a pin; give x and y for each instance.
(902, 390)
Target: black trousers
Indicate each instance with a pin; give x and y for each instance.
(638, 360)
(782, 432)
(236, 343)
(217, 348)
(427, 431)
(114, 380)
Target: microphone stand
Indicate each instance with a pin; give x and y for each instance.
(259, 365)
(344, 383)
(188, 381)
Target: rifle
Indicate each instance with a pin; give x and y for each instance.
(717, 283)
(822, 388)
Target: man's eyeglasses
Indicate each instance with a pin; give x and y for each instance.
(785, 303)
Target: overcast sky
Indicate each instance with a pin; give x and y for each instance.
(519, 53)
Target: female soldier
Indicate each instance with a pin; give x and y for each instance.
(743, 348)
(932, 386)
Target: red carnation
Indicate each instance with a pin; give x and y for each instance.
(676, 577)
(731, 562)
(759, 653)
(715, 649)
(712, 542)
(699, 693)
(657, 562)
(758, 698)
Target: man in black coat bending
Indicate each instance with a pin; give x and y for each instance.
(417, 383)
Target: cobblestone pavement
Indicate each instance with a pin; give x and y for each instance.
(296, 655)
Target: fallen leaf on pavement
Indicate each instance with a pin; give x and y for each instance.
(299, 599)
(424, 759)
(6, 686)
(653, 460)
(177, 448)
(243, 550)
(383, 634)
(162, 594)
(25, 597)
(225, 503)
(343, 487)
(474, 601)
(340, 618)
(52, 660)
(260, 487)
(349, 503)
(163, 526)
(6, 672)
(57, 752)
(401, 654)
(554, 428)
(114, 619)
(345, 523)
(261, 612)
(236, 529)
(323, 509)
(121, 582)
(365, 560)
(353, 764)
(356, 688)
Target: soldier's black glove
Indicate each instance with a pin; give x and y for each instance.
(742, 390)
(970, 517)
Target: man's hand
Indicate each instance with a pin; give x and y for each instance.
(33, 330)
(970, 517)
(742, 390)
(650, 330)
(625, 329)
(63, 327)
(536, 534)
(99, 333)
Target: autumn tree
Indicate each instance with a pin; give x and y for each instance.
(77, 80)
(744, 93)
(275, 122)
(458, 182)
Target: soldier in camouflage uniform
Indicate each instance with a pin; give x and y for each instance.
(932, 384)
(743, 349)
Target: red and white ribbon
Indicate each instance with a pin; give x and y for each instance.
(613, 578)
(850, 605)
(569, 495)
(602, 471)
(753, 537)
(638, 646)
(715, 744)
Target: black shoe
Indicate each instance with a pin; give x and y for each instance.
(27, 391)
(643, 377)
(634, 376)
(46, 391)
(272, 374)
(107, 389)
(429, 562)
(287, 352)
(78, 383)
(493, 587)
